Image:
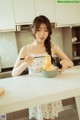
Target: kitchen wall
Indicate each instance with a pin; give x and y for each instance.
(8, 49)
(12, 42)
(57, 37)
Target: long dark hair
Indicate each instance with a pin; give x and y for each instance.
(35, 26)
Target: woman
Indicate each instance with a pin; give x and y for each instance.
(42, 46)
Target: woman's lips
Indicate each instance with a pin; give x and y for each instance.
(41, 38)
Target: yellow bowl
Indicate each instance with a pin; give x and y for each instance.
(50, 74)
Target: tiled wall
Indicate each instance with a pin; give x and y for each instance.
(12, 42)
(8, 49)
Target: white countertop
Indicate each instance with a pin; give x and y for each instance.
(29, 90)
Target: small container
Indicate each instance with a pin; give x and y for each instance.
(3, 117)
(50, 74)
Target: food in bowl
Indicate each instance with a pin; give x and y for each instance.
(49, 70)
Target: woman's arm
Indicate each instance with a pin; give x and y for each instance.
(21, 65)
(65, 60)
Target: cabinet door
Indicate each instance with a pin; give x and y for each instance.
(7, 22)
(45, 7)
(67, 13)
(24, 11)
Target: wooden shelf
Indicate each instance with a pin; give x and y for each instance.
(75, 42)
(76, 58)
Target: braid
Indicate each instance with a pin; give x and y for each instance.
(35, 26)
(47, 45)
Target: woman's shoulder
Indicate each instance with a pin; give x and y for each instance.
(54, 47)
(29, 46)
(23, 48)
(26, 47)
(23, 51)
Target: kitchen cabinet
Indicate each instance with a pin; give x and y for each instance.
(67, 13)
(21, 114)
(45, 7)
(25, 112)
(7, 22)
(24, 11)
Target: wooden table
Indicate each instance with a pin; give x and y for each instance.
(29, 90)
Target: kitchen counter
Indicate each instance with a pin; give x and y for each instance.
(29, 90)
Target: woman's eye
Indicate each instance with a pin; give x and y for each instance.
(38, 30)
(46, 30)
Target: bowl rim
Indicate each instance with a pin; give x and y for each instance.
(56, 69)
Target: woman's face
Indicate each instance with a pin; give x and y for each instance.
(42, 33)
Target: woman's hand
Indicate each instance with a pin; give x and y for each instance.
(29, 59)
(64, 64)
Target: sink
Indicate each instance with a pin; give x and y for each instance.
(5, 74)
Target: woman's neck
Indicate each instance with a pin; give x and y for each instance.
(38, 47)
(38, 44)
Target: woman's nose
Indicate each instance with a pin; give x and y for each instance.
(42, 32)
